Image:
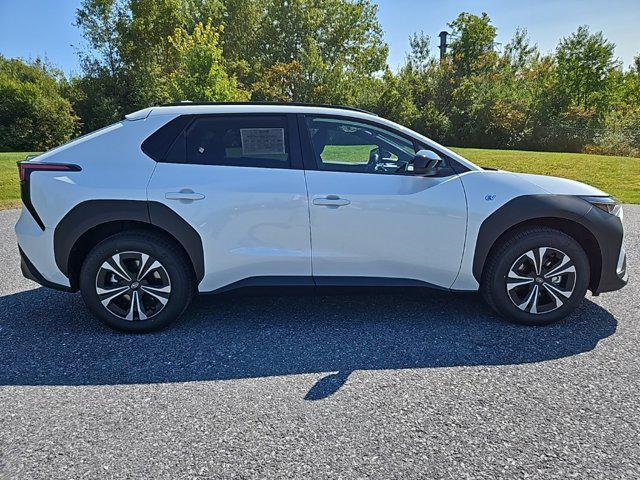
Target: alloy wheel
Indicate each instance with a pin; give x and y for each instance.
(133, 286)
(541, 280)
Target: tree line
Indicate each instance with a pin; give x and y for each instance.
(139, 53)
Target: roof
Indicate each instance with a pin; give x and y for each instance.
(273, 104)
(186, 108)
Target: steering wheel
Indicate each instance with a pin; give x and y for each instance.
(377, 164)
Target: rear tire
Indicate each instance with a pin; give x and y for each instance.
(537, 276)
(137, 281)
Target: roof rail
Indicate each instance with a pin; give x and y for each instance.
(284, 104)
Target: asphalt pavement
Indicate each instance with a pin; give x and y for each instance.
(419, 384)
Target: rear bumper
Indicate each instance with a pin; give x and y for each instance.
(31, 272)
(37, 253)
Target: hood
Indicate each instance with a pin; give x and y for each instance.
(560, 186)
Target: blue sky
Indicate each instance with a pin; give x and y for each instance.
(30, 28)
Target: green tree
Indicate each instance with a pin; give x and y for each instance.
(426, 87)
(472, 45)
(519, 53)
(335, 43)
(33, 113)
(621, 135)
(631, 88)
(396, 100)
(147, 52)
(102, 95)
(200, 73)
(304, 50)
(585, 63)
(241, 39)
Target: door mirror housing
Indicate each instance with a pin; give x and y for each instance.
(426, 163)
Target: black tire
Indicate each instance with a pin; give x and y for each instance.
(512, 256)
(148, 312)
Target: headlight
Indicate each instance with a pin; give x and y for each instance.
(607, 204)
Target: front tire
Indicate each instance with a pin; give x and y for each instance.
(137, 281)
(536, 277)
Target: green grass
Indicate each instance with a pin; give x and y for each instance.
(9, 182)
(347, 153)
(619, 176)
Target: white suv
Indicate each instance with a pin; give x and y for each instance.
(179, 199)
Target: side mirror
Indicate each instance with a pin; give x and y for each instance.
(426, 162)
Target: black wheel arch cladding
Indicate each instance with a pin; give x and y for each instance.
(93, 213)
(605, 228)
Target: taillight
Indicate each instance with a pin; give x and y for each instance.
(26, 168)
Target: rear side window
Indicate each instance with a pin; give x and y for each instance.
(242, 141)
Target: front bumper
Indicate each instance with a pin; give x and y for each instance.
(613, 277)
(608, 231)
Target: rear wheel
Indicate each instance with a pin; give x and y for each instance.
(536, 277)
(136, 281)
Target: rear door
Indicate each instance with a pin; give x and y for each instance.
(372, 219)
(238, 180)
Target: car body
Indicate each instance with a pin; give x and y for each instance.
(285, 194)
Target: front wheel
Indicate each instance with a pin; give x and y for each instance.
(536, 277)
(136, 281)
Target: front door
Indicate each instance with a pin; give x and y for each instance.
(371, 218)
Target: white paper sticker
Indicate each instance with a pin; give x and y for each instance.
(262, 141)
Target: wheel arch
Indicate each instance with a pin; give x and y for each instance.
(90, 222)
(560, 212)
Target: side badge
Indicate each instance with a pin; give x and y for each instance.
(489, 198)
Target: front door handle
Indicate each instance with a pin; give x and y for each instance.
(188, 195)
(331, 201)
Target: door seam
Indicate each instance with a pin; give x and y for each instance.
(466, 232)
(306, 186)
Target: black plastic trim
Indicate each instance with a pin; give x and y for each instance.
(87, 215)
(609, 232)
(25, 196)
(334, 281)
(162, 216)
(605, 228)
(308, 156)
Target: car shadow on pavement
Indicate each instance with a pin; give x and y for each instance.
(49, 338)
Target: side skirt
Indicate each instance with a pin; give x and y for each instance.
(308, 284)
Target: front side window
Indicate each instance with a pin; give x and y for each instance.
(352, 146)
(242, 141)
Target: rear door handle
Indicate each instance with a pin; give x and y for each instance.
(331, 201)
(188, 195)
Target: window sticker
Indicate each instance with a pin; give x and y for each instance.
(262, 141)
